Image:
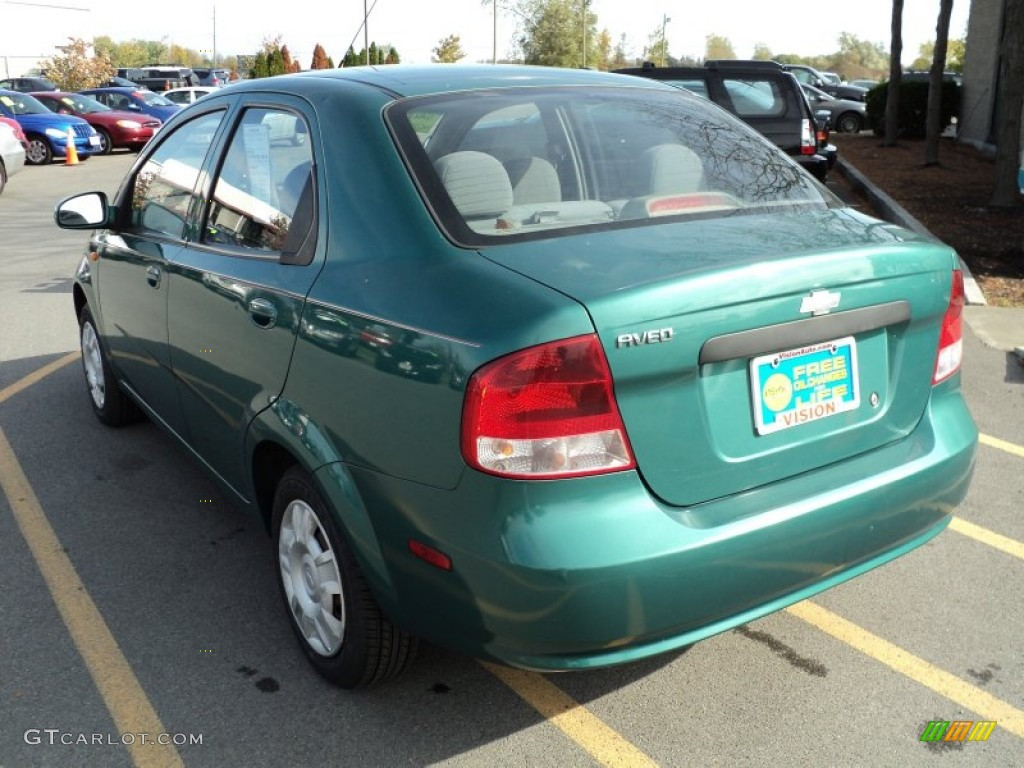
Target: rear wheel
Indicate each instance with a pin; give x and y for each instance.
(106, 144)
(38, 152)
(337, 621)
(849, 122)
(111, 406)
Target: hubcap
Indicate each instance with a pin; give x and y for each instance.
(36, 151)
(92, 358)
(311, 579)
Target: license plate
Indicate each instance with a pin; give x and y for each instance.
(94, 141)
(805, 384)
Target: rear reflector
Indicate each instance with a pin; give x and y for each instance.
(951, 336)
(428, 554)
(545, 412)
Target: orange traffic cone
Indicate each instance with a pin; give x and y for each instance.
(71, 156)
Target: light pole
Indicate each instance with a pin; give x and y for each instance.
(494, 48)
(586, 4)
(664, 43)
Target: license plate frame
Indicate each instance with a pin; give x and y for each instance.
(802, 385)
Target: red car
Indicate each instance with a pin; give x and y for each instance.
(116, 128)
(19, 134)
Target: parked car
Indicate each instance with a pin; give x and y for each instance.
(831, 78)
(15, 126)
(185, 96)
(680, 384)
(12, 154)
(810, 76)
(211, 76)
(159, 77)
(762, 95)
(135, 100)
(117, 129)
(27, 84)
(122, 82)
(46, 132)
(845, 116)
(865, 84)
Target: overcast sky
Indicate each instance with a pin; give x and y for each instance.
(415, 27)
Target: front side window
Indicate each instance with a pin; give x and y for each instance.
(265, 179)
(538, 162)
(165, 187)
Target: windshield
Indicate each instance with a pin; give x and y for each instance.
(23, 104)
(527, 163)
(153, 99)
(84, 104)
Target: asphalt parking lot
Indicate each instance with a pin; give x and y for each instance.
(141, 623)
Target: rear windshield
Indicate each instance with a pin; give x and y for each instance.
(528, 163)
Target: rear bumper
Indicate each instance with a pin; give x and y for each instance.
(592, 572)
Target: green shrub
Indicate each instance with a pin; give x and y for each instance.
(913, 106)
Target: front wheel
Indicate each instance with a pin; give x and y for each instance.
(849, 122)
(337, 621)
(38, 152)
(106, 144)
(111, 406)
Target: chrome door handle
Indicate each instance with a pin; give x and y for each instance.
(263, 313)
(153, 275)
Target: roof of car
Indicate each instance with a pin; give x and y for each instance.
(415, 80)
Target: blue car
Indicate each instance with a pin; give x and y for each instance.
(47, 132)
(135, 100)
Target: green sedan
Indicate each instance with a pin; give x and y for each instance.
(557, 368)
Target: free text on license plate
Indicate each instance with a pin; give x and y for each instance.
(805, 384)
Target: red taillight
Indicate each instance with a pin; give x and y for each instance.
(951, 336)
(547, 411)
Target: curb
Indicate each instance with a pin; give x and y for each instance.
(897, 214)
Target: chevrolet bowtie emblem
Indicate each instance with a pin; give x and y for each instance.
(820, 302)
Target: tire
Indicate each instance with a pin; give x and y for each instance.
(3, 177)
(106, 144)
(111, 405)
(849, 122)
(38, 152)
(329, 605)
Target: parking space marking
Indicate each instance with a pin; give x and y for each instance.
(985, 536)
(604, 744)
(1003, 445)
(124, 698)
(41, 373)
(945, 684)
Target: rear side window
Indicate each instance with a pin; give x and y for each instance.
(753, 97)
(264, 181)
(699, 87)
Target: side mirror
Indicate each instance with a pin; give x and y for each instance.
(85, 211)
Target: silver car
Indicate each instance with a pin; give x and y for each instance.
(12, 155)
(847, 116)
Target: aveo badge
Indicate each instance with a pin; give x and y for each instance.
(805, 384)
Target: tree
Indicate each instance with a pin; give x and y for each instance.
(449, 50)
(858, 58)
(1010, 100)
(657, 48)
(77, 68)
(554, 32)
(933, 121)
(604, 50)
(892, 104)
(320, 58)
(618, 59)
(351, 59)
(718, 47)
(270, 60)
(762, 52)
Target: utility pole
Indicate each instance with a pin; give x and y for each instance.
(494, 47)
(214, 62)
(585, 3)
(366, 33)
(664, 42)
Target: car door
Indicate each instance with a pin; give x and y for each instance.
(238, 289)
(132, 278)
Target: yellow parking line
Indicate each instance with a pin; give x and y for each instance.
(985, 536)
(113, 676)
(1003, 445)
(35, 376)
(987, 706)
(579, 724)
